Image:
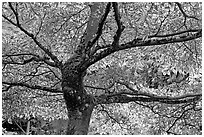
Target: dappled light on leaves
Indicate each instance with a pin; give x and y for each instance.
(106, 68)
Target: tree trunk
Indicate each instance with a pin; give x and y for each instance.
(79, 121)
(79, 103)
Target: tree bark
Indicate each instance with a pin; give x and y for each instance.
(79, 121)
(79, 103)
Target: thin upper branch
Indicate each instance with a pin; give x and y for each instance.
(161, 24)
(119, 24)
(118, 33)
(18, 25)
(183, 12)
(15, 13)
(100, 28)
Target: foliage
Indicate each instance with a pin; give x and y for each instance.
(32, 80)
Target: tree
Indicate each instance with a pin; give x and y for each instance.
(57, 49)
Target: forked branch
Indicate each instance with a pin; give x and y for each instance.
(18, 25)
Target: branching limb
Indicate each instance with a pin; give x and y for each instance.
(15, 13)
(119, 24)
(112, 118)
(161, 24)
(177, 119)
(183, 12)
(18, 25)
(70, 16)
(93, 30)
(139, 42)
(33, 87)
(34, 57)
(101, 23)
(185, 15)
(125, 97)
(175, 34)
(99, 30)
(115, 43)
(7, 88)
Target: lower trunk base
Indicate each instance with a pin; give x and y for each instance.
(79, 121)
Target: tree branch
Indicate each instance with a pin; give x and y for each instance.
(15, 13)
(174, 34)
(178, 118)
(139, 42)
(182, 11)
(99, 31)
(119, 24)
(93, 30)
(18, 25)
(125, 97)
(115, 43)
(33, 87)
(36, 58)
(101, 23)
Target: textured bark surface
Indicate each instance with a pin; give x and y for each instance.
(79, 121)
(79, 103)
